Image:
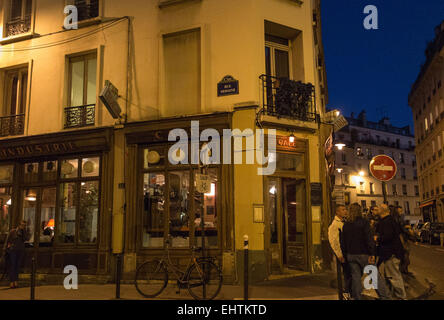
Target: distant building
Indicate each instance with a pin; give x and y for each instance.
(362, 140)
(427, 102)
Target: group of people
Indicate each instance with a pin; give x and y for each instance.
(379, 239)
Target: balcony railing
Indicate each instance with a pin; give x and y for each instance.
(87, 10)
(82, 116)
(287, 98)
(16, 27)
(13, 125)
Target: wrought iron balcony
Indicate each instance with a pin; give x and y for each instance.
(287, 98)
(16, 27)
(13, 125)
(87, 10)
(82, 116)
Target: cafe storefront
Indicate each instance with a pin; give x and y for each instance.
(59, 184)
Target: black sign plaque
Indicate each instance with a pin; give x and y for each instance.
(228, 86)
(316, 194)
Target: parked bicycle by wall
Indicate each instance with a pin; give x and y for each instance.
(202, 277)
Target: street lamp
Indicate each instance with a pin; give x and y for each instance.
(292, 138)
(361, 173)
(340, 146)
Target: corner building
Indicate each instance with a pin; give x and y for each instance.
(92, 187)
(427, 102)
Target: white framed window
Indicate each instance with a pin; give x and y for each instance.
(277, 56)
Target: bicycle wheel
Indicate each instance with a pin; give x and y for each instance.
(151, 278)
(204, 280)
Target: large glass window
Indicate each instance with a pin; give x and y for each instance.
(5, 210)
(170, 207)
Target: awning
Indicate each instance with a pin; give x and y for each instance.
(427, 204)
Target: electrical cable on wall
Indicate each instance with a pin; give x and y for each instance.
(56, 43)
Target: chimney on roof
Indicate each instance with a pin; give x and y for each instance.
(363, 118)
(385, 121)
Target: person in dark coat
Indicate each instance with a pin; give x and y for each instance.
(16, 249)
(390, 250)
(360, 249)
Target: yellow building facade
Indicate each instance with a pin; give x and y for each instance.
(91, 186)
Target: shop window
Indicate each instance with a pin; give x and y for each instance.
(80, 111)
(6, 174)
(182, 66)
(18, 18)
(153, 209)
(290, 162)
(69, 169)
(29, 212)
(5, 210)
(31, 172)
(15, 88)
(87, 9)
(90, 167)
(89, 211)
(47, 217)
(208, 207)
(50, 170)
(179, 215)
(68, 207)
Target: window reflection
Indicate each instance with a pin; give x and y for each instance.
(5, 207)
(89, 211)
(209, 209)
(179, 217)
(90, 167)
(47, 216)
(154, 209)
(29, 212)
(67, 219)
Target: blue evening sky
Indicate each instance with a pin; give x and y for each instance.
(375, 69)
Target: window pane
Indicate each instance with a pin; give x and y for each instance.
(47, 217)
(153, 158)
(28, 9)
(5, 207)
(210, 213)
(6, 174)
(272, 210)
(13, 94)
(90, 167)
(89, 212)
(16, 9)
(24, 86)
(153, 209)
(69, 169)
(66, 224)
(92, 68)
(282, 65)
(31, 172)
(50, 170)
(179, 200)
(290, 162)
(29, 211)
(77, 78)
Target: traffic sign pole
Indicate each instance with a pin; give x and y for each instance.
(384, 191)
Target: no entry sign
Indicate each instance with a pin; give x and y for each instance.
(383, 168)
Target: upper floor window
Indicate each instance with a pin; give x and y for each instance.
(82, 94)
(87, 9)
(18, 17)
(14, 102)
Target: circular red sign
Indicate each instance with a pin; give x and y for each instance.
(383, 168)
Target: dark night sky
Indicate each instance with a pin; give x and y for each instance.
(374, 69)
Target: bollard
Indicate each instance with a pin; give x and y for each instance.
(118, 274)
(33, 270)
(245, 267)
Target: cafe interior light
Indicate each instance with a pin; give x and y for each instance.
(340, 146)
(212, 193)
(31, 196)
(339, 170)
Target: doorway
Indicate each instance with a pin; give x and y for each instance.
(287, 227)
(38, 210)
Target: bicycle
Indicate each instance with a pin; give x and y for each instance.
(202, 278)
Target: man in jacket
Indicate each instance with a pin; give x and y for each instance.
(390, 250)
(334, 238)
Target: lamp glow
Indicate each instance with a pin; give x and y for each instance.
(292, 138)
(361, 173)
(340, 146)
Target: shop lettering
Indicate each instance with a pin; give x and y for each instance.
(33, 150)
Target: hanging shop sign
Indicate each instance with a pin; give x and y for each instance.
(316, 194)
(203, 183)
(228, 86)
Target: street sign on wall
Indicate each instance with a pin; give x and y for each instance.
(383, 168)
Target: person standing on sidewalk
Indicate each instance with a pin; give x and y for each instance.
(360, 249)
(16, 249)
(334, 238)
(398, 216)
(390, 250)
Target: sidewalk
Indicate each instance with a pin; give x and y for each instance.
(311, 287)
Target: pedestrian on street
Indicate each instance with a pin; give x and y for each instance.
(398, 216)
(334, 238)
(16, 249)
(360, 249)
(390, 251)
